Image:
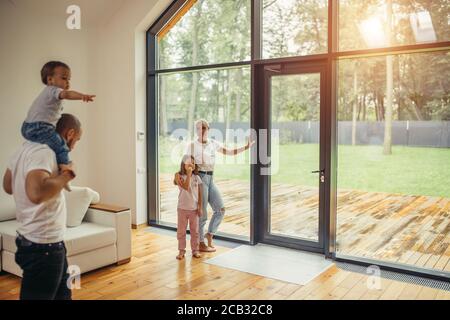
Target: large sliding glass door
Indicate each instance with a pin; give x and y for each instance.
(295, 98)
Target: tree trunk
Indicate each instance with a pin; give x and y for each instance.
(237, 110)
(163, 107)
(355, 103)
(193, 103)
(387, 146)
(377, 106)
(417, 109)
(364, 108)
(195, 75)
(228, 106)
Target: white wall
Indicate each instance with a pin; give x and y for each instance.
(115, 154)
(107, 58)
(32, 33)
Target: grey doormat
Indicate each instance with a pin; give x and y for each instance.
(273, 262)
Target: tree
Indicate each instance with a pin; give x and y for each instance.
(387, 145)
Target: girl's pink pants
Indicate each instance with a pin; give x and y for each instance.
(185, 216)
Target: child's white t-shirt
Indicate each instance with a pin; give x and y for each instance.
(47, 107)
(188, 200)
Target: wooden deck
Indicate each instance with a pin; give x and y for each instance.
(412, 230)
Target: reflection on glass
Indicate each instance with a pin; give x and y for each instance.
(393, 190)
(422, 27)
(294, 27)
(295, 104)
(222, 97)
(206, 32)
(384, 23)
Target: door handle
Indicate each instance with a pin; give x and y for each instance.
(322, 175)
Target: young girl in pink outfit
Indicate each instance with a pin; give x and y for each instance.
(189, 205)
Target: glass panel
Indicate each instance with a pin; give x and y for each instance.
(394, 160)
(294, 27)
(222, 97)
(295, 153)
(210, 32)
(384, 23)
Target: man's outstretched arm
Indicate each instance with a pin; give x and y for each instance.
(7, 182)
(40, 186)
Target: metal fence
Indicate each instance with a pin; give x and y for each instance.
(404, 133)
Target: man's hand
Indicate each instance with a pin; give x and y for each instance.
(40, 186)
(68, 169)
(200, 211)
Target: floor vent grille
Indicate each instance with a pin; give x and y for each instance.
(426, 282)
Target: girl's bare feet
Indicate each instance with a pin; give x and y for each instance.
(180, 255)
(196, 254)
(209, 237)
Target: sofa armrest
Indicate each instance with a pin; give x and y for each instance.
(120, 219)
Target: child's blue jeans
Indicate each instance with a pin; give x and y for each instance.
(45, 133)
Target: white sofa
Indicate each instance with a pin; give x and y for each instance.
(102, 239)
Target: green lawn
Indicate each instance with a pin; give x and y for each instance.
(412, 171)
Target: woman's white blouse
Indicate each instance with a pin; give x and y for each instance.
(204, 153)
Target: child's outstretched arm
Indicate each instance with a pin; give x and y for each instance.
(73, 95)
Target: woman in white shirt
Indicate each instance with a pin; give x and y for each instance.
(204, 150)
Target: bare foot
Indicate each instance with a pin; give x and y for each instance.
(205, 248)
(209, 237)
(196, 255)
(180, 255)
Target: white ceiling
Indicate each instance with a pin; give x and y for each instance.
(97, 12)
(94, 12)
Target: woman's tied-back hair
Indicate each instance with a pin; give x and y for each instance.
(49, 69)
(182, 170)
(201, 122)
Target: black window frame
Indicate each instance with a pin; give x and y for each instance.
(258, 184)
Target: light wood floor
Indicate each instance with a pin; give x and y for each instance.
(154, 273)
(411, 230)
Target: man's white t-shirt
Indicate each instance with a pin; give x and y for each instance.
(40, 223)
(204, 153)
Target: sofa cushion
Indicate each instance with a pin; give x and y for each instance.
(77, 203)
(88, 236)
(8, 232)
(7, 207)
